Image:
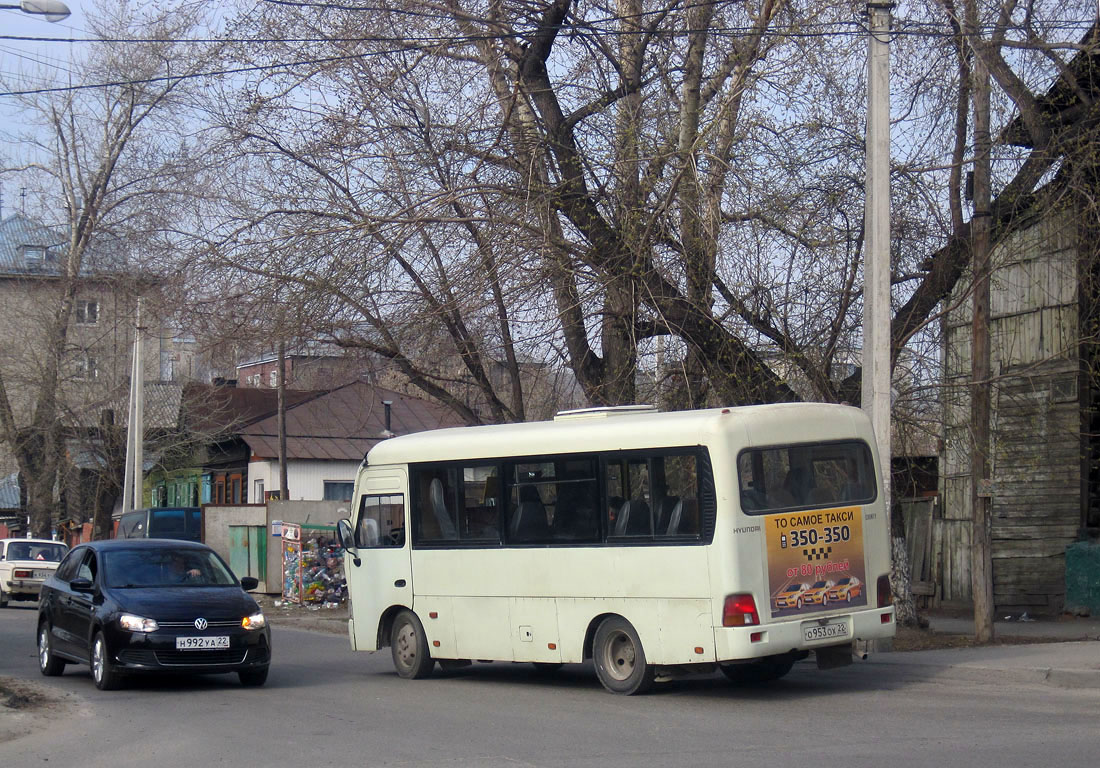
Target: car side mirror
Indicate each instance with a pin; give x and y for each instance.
(249, 583)
(82, 585)
(346, 535)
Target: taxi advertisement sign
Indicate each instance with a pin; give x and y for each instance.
(815, 561)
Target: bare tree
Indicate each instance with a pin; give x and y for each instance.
(108, 156)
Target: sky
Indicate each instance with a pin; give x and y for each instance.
(38, 63)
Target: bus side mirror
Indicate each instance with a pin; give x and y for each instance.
(346, 535)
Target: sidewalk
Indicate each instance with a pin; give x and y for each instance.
(1071, 658)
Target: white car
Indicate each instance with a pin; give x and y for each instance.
(24, 565)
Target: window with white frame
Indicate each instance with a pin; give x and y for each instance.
(86, 312)
(273, 378)
(86, 367)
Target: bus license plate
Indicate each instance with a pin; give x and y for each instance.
(202, 643)
(812, 632)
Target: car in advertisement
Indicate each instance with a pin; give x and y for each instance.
(791, 595)
(817, 594)
(845, 590)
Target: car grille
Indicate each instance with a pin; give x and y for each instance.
(200, 658)
(150, 658)
(191, 624)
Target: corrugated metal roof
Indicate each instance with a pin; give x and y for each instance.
(9, 492)
(344, 423)
(324, 448)
(218, 409)
(162, 408)
(18, 231)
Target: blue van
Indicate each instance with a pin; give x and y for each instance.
(161, 523)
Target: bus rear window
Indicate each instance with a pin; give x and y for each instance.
(788, 477)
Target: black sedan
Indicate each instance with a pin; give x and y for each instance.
(131, 606)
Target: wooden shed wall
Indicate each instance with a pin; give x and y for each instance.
(1035, 424)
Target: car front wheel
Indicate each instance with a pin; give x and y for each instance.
(48, 664)
(106, 677)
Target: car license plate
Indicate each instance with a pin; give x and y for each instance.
(202, 643)
(41, 575)
(812, 632)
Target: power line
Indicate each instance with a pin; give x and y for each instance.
(837, 28)
(407, 44)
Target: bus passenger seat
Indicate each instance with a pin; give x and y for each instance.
(633, 519)
(447, 528)
(673, 527)
(664, 513)
(529, 518)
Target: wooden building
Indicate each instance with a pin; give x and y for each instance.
(1040, 444)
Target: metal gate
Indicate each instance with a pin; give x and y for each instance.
(248, 551)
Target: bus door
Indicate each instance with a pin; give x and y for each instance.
(383, 577)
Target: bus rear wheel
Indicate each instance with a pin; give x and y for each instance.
(409, 645)
(620, 661)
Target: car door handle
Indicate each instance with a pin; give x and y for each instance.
(399, 583)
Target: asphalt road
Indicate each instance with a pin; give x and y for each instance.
(326, 706)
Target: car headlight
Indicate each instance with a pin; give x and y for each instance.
(137, 623)
(255, 621)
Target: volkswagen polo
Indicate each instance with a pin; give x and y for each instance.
(133, 606)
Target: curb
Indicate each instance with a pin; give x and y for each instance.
(1073, 679)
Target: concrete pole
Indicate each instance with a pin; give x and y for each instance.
(981, 534)
(139, 410)
(876, 270)
(128, 475)
(132, 479)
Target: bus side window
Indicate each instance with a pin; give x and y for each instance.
(676, 483)
(435, 496)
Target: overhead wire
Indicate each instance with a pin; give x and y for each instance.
(405, 43)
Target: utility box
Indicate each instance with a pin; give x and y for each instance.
(1083, 578)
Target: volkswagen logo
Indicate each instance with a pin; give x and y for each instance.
(200, 624)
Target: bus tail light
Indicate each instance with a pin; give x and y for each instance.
(740, 611)
(882, 586)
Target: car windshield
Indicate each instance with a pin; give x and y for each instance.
(819, 585)
(165, 568)
(793, 588)
(842, 582)
(49, 552)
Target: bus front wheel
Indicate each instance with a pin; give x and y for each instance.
(619, 658)
(410, 647)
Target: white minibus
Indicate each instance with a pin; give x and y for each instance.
(651, 543)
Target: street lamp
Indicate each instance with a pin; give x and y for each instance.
(53, 10)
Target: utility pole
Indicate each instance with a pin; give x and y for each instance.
(876, 289)
(981, 501)
(280, 383)
(876, 270)
(135, 424)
